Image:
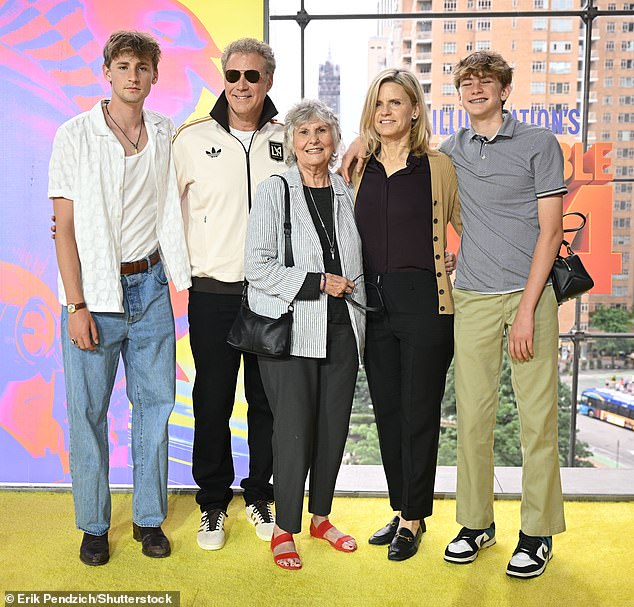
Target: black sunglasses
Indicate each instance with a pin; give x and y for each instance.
(252, 76)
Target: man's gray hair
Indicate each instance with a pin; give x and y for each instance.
(250, 45)
(305, 111)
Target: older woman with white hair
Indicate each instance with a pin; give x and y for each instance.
(311, 391)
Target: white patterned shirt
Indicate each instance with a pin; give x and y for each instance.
(87, 166)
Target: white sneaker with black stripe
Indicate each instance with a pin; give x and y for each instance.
(211, 534)
(260, 515)
(530, 557)
(464, 548)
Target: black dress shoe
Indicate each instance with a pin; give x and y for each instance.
(94, 549)
(405, 544)
(385, 535)
(153, 541)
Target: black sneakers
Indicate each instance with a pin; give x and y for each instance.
(530, 557)
(465, 546)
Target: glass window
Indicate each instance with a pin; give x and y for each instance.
(538, 66)
(560, 46)
(448, 89)
(449, 48)
(538, 88)
(610, 27)
(450, 5)
(483, 25)
(561, 25)
(560, 67)
(483, 45)
(608, 64)
(609, 45)
(559, 88)
(540, 25)
(449, 26)
(539, 46)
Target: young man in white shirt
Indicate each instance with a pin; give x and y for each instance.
(119, 235)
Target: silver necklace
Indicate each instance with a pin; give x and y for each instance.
(331, 242)
(134, 145)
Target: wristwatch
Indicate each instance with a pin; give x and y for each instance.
(72, 308)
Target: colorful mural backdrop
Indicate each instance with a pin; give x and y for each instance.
(50, 70)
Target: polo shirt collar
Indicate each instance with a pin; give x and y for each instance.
(506, 130)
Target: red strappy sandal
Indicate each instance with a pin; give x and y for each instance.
(275, 542)
(319, 532)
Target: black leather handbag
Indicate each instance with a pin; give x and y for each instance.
(261, 335)
(569, 277)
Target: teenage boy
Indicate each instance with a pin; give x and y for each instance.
(511, 184)
(119, 235)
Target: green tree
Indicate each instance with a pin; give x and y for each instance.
(611, 320)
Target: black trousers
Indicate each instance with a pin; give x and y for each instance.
(408, 351)
(217, 365)
(311, 400)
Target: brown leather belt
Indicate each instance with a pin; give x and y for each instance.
(140, 265)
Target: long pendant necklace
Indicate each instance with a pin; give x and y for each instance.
(134, 145)
(331, 242)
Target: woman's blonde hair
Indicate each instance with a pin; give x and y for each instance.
(420, 132)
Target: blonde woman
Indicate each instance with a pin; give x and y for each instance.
(405, 196)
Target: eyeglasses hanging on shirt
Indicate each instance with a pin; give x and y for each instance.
(350, 297)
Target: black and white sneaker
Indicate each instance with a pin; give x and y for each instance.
(211, 534)
(530, 557)
(465, 546)
(261, 516)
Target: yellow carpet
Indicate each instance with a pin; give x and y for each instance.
(591, 567)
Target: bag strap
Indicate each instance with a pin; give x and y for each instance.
(564, 242)
(583, 221)
(288, 248)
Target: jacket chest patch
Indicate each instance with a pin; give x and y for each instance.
(276, 151)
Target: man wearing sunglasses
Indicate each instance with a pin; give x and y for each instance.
(220, 160)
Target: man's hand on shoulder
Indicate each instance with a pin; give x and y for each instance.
(353, 153)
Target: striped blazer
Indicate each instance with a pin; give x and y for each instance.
(273, 286)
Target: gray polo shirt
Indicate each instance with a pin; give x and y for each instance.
(499, 182)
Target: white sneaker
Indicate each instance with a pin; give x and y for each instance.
(260, 514)
(530, 557)
(211, 535)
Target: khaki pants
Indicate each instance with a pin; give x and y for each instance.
(480, 323)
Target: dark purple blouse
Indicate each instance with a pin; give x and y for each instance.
(394, 217)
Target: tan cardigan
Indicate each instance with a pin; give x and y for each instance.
(446, 208)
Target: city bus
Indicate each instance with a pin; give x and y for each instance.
(608, 405)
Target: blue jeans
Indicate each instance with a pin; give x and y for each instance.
(144, 336)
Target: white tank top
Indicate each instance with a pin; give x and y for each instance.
(138, 223)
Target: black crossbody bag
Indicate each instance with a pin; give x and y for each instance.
(569, 277)
(261, 335)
